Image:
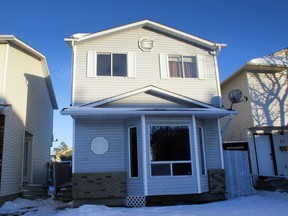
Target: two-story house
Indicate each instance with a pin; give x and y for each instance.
(146, 107)
(27, 102)
(263, 119)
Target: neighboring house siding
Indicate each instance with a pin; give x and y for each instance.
(31, 111)
(147, 68)
(3, 48)
(86, 160)
(237, 128)
(269, 98)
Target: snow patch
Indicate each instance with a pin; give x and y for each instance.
(264, 203)
(270, 61)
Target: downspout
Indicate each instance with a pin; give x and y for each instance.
(215, 54)
(73, 46)
(144, 154)
(227, 123)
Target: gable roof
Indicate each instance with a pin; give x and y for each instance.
(18, 43)
(82, 37)
(153, 89)
(270, 63)
(96, 109)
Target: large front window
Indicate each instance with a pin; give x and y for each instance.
(170, 151)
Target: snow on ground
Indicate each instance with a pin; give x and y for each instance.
(263, 203)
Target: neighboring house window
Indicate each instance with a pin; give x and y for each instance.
(111, 64)
(133, 152)
(170, 151)
(202, 153)
(182, 66)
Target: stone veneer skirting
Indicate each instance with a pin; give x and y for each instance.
(110, 189)
(99, 188)
(217, 182)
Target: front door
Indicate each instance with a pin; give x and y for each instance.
(265, 156)
(27, 158)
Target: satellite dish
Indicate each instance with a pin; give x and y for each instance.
(235, 96)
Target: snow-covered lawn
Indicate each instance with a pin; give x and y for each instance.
(263, 203)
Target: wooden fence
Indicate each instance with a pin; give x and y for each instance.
(237, 170)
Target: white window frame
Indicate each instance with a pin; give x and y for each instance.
(170, 162)
(91, 70)
(129, 153)
(165, 71)
(111, 64)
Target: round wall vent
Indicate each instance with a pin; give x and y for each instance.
(99, 145)
(146, 44)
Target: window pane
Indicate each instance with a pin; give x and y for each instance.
(190, 68)
(160, 169)
(119, 65)
(133, 152)
(104, 64)
(169, 143)
(182, 169)
(175, 66)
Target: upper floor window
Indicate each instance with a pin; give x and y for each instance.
(111, 64)
(182, 66)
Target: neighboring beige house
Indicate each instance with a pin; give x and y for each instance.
(146, 106)
(263, 119)
(27, 101)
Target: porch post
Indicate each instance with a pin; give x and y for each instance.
(196, 153)
(144, 154)
(220, 143)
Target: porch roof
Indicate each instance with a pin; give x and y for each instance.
(123, 112)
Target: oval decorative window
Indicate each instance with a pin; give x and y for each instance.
(99, 145)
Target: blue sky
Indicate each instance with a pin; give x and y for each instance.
(250, 28)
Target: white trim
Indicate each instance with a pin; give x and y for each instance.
(74, 50)
(196, 153)
(145, 89)
(4, 77)
(142, 111)
(91, 64)
(74, 149)
(144, 155)
(220, 143)
(200, 64)
(164, 65)
(131, 64)
(153, 25)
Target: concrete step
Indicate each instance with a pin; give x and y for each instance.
(33, 191)
(273, 184)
